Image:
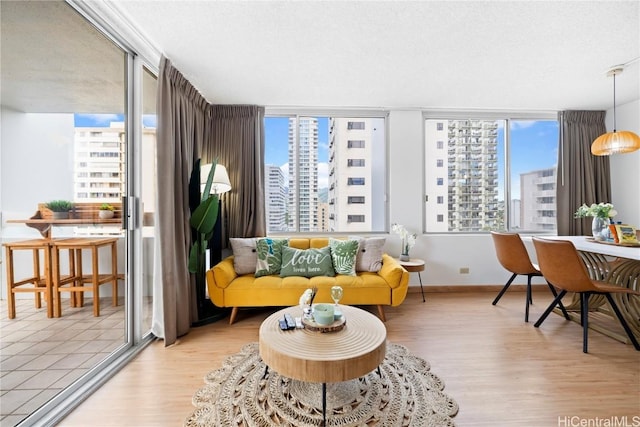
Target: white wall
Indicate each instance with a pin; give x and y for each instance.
(625, 168)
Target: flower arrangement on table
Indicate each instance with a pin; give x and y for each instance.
(601, 210)
(408, 240)
(602, 214)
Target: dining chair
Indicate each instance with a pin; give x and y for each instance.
(513, 256)
(562, 266)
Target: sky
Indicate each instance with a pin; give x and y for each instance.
(104, 120)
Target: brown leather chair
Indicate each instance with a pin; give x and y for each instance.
(562, 266)
(513, 256)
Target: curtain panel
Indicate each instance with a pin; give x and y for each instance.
(189, 128)
(237, 141)
(582, 177)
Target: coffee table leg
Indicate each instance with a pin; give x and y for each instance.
(324, 404)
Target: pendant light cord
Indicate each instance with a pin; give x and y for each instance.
(614, 103)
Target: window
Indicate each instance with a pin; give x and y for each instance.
(439, 163)
(440, 145)
(310, 163)
(501, 174)
(355, 144)
(440, 200)
(439, 126)
(355, 181)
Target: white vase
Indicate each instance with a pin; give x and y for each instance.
(600, 228)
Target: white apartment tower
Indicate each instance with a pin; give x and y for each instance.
(276, 199)
(303, 174)
(99, 163)
(538, 205)
(462, 175)
(351, 163)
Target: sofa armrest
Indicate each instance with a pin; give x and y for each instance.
(397, 278)
(224, 272)
(391, 271)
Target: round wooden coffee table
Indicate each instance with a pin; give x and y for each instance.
(328, 357)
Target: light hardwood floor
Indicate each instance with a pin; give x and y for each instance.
(500, 370)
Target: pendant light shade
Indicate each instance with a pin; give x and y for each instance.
(615, 142)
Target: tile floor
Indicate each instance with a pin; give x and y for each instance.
(40, 356)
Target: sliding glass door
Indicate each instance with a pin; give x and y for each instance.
(73, 129)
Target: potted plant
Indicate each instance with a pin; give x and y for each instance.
(60, 208)
(107, 211)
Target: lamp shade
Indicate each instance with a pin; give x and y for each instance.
(220, 184)
(615, 142)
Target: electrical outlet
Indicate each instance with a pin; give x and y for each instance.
(464, 270)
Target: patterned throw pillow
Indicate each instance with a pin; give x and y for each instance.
(269, 256)
(306, 262)
(343, 254)
(370, 254)
(245, 255)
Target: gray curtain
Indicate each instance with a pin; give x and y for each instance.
(582, 177)
(189, 128)
(237, 141)
(182, 129)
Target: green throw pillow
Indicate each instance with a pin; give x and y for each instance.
(269, 256)
(307, 262)
(343, 254)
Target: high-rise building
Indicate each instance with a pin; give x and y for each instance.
(303, 174)
(276, 198)
(99, 163)
(351, 166)
(538, 204)
(463, 185)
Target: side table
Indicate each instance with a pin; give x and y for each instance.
(414, 265)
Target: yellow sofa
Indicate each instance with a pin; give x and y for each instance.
(228, 289)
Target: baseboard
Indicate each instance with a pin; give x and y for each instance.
(473, 288)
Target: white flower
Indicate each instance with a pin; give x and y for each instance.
(408, 240)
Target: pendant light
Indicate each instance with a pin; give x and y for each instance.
(615, 142)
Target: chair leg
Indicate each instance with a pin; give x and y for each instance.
(555, 294)
(550, 308)
(529, 276)
(613, 304)
(504, 289)
(529, 300)
(584, 319)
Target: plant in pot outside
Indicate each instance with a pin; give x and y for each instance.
(60, 208)
(107, 211)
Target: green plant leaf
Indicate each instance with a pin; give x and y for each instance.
(194, 253)
(205, 216)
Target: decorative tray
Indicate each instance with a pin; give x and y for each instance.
(626, 244)
(337, 325)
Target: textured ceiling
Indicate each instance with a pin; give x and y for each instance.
(487, 55)
(504, 55)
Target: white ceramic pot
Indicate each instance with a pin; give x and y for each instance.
(106, 214)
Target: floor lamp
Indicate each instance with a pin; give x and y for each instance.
(207, 312)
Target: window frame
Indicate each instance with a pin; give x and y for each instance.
(504, 115)
(285, 112)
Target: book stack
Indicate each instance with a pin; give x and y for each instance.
(623, 234)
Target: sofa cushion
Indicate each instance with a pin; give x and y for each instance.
(343, 255)
(306, 262)
(245, 255)
(370, 252)
(269, 257)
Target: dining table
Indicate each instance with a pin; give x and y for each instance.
(614, 264)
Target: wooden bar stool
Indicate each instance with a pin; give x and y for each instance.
(40, 281)
(84, 283)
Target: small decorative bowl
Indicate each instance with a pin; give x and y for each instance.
(323, 314)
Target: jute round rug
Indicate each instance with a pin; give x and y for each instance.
(406, 393)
